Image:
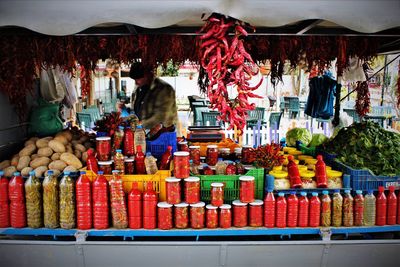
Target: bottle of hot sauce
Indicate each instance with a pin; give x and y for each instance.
(391, 206)
(320, 173)
(294, 175)
(139, 161)
(381, 207)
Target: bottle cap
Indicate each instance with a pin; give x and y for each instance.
(139, 126)
(281, 194)
(347, 191)
(82, 172)
(211, 207)
(17, 173)
(302, 193)
(270, 190)
(358, 192)
(121, 127)
(181, 205)
(148, 154)
(370, 191)
(225, 206)
(164, 205)
(1, 173)
(238, 203)
(381, 189)
(192, 179)
(198, 205)
(65, 173)
(391, 188)
(100, 172)
(220, 159)
(172, 180)
(118, 150)
(319, 157)
(314, 194)
(325, 192)
(115, 171)
(336, 191)
(217, 184)
(32, 173)
(257, 202)
(293, 192)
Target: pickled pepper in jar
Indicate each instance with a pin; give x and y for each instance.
(83, 202)
(293, 173)
(181, 215)
(4, 205)
(256, 213)
(181, 165)
(17, 201)
(173, 188)
(320, 173)
(166, 159)
(103, 148)
(119, 161)
(197, 215)
(315, 211)
(135, 207)
(67, 202)
(192, 190)
(358, 209)
(225, 216)
(50, 200)
(105, 167)
(230, 169)
(100, 202)
(129, 142)
(348, 209)
(381, 207)
(292, 209)
(239, 213)
(326, 209)
(33, 196)
(91, 161)
(304, 205)
(149, 207)
(117, 199)
(246, 189)
(391, 206)
(212, 155)
(195, 154)
(337, 208)
(269, 209)
(183, 146)
(164, 216)
(217, 194)
(247, 155)
(129, 165)
(370, 209)
(211, 216)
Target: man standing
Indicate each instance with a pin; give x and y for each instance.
(153, 101)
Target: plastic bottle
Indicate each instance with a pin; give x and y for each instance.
(370, 209)
(337, 208)
(149, 207)
(381, 207)
(50, 200)
(140, 137)
(119, 162)
(348, 203)
(17, 201)
(303, 210)
(135, 207)
(269, 209)
(118, 138)
(4, 205)
(129, 142)
(34, 203)
(281, 210)
(100, 202)
(117, 198)
(166, 159)
(220, 167)
(292, 209)
(151, 164)
(91, 161)
(315, 210)
(391, 206)
(320, 173)
(139, 161)
(326, 210)
(83, 202)
(398, 208)
(67, 202)
(358, 209)
(294, 175)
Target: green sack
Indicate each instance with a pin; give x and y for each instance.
(44, 120)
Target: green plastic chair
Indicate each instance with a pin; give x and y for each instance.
(275, 118)
(294, 107)
(256, 115)
(93, 111)
(110, 107)
(211, 117)
(352, 113)
(197, 114)
(84, 120)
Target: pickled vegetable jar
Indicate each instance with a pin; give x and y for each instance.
(197, 215)
(307, 179)
(224, 152)
(183, 146)
(225, 216)
(246, 155)
(192, 190)
(181, 165)
(217, 194)
(105, 167)
(311, 164)
(164, 215)
(103, 148)
(195, 154)
(326, 211)
(256, 213)
(348, 202)
(239, 213)
(33, 196)
(337, 208)
(334, 179)
(211, 216)
(173, 188)
(246, 189)
(129, 165)
(67, 202)
(212, 155)
(181, 217)
(50, 200)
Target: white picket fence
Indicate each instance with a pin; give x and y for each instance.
(255, 136)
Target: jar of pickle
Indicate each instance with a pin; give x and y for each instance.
(212, 155)
(334, 179)
(119, 161)
(67, 202)
(225, 216)
(281, 180)
(192, 190)
(311, 164)
(246, 189)
(217, 194)
(183, 146)
(164, 210)
(239, 213)
(181, 215)
(246, 155)
(224, 152)
(211, 216)
(197, 215)
(105, 166)
(238, 153)
(307, 179)
(256, 213)
(181, 164)
(130, 165)
(103, 148)
(195, 154)
(173, 188)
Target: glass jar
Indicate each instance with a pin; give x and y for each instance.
(181, 217)
(164, 210)
(334, 179)
(212, 155)
(225, 216)
(256, 213)
(173, 188)
(239, 213)
(130, 165)
(246, 189)
(212, 216)
(238, 153)
(307, 179)
(105, 166)
(220, 167)
(224, 152)
(181, 165)
(197, 215)
(103, 148)
(192, 190)
(217, 194)
(195, 154)
(183, 146)
(246, 155)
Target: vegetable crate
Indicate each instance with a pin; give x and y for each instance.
(328, 158)
(365, 180)
(157, 179)
(231, 185)
(159, 146)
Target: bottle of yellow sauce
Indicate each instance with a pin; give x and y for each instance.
(307, 179)
(334, 179)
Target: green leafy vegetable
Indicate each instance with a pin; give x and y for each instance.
(318, 139)
(298, 134)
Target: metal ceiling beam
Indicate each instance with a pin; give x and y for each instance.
(308, 26)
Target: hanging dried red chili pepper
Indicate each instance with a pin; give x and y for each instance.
(398, 86)
(363, 98)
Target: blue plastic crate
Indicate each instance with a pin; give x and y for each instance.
(365, 180)
(159, 146)
(328, 158)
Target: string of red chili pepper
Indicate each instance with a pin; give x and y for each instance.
(363, 98)
(398, 86)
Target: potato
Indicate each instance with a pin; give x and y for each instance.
(23, 162)
(84, 157)
(56, 173)
(29, 142)
(55, 156)
(45, 152)
(41, 161)
(71, 159)
(48, 138)
(42, 143)
(70, 169)
(34, 138)
(25, 171)
(62, 139)
(57, 165)
(28, 150)
(69, 149)
(34, 156)
(14, 160)
(74, 142)
(9, 171)
(80, 147)
(78, 154)
(4, 164)
(57, 146)
(39, 171)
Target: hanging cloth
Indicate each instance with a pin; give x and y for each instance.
(321, 97)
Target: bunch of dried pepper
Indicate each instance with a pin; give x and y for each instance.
(363, 98)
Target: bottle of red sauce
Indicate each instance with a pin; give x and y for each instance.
(303, 210)
(166, 159)
(269, 209)
(398, 208)
(129, 142)
(17, 201)
(4, 206)
(292, 209)
(320, 173)
(381, 207)
(281, 210)
(293, 172)
(139, 161)
(135, 207)
(315, 210)
(391, 206)
(83, 202)
(91, 161)
(100, 202)
(149, 207)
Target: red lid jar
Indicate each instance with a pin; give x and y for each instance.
(183, 146)
(103, 148)
(225, 216)
(256, 213)
(197, 215)
(246, 189)
(192, 190)
(181, 217)
(212, 216)
(105, 167)
(239, 213)
(173, 188)
(164, 215)
(195, 154)
(212, 155)
(217, 194)
(181, 165)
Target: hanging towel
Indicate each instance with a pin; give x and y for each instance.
(321, 97)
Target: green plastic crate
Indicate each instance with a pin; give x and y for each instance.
(231, 182)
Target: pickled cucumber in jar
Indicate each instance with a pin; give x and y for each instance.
(67, 202)
(33, 196)
(50, 200)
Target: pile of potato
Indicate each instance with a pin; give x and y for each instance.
(67, 151)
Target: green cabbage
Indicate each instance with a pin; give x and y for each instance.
(317, 139)
(298, 134)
